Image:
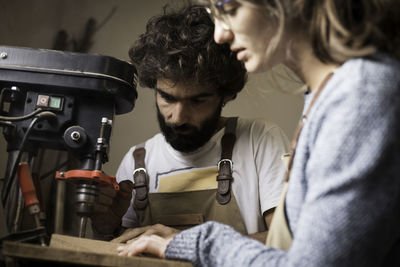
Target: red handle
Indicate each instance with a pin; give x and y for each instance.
(26, 184)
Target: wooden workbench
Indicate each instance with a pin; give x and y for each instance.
(68, 250)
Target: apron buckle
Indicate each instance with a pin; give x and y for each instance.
(225, 160)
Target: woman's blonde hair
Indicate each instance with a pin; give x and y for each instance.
(341, 29)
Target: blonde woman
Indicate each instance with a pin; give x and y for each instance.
(342, 205)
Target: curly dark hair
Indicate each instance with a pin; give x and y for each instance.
(179, 46)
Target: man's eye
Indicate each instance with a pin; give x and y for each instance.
(198, 101)
(168, 98)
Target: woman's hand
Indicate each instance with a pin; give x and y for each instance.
(152, 244)
(157, 229)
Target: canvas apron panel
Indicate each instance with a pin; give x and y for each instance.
(182, 210)
(279, 235)
(186, 209)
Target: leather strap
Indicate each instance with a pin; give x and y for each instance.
(224, 177)
(301, 124)
(140, 178)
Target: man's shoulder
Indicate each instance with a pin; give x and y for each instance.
(256, 125)
(258, 130)
(155, 140)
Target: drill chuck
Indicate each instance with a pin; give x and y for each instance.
(85, 197)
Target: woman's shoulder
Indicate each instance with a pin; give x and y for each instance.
(361, 89)
(378, 67)
(365, 78)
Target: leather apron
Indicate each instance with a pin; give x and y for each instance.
(182, 210)
(279, 234)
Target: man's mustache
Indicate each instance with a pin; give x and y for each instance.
(183, 127)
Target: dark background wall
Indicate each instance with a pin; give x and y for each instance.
(35, 23)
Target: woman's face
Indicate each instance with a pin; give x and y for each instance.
(249, 34)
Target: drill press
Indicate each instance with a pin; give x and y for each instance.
(61, 101)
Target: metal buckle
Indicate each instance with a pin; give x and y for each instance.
(225, 160)
(138, 170)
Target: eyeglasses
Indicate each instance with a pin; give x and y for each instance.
(217, 12)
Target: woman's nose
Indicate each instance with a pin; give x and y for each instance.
(222, 34)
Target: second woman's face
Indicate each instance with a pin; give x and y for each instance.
(249, 34)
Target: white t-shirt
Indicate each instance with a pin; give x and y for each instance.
(258, 171)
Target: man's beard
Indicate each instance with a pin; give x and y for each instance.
(196, 138)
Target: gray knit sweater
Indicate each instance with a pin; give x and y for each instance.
(343, 201)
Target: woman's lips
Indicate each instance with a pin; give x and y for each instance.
(241, 54)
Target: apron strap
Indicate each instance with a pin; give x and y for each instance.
(224, 177)
(140, 177)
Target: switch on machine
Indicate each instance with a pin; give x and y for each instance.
(50, 102)
(43, 101)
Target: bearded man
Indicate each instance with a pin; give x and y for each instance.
(202, 166)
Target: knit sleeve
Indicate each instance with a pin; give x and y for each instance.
(215, 244)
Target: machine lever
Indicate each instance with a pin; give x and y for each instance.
(29, 192)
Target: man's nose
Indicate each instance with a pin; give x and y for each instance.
(180, 114)
(221, 34)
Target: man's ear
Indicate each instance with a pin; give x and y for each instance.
(228, 98)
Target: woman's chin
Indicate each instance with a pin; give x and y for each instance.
(254, 67)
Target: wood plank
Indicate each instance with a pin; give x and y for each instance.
(37, 253)
(83, 244)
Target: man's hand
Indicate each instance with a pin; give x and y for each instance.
(157, 229)
(260, 236)
(110, 208)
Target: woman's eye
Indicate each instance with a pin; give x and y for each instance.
(230, 11)
(229, 8)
